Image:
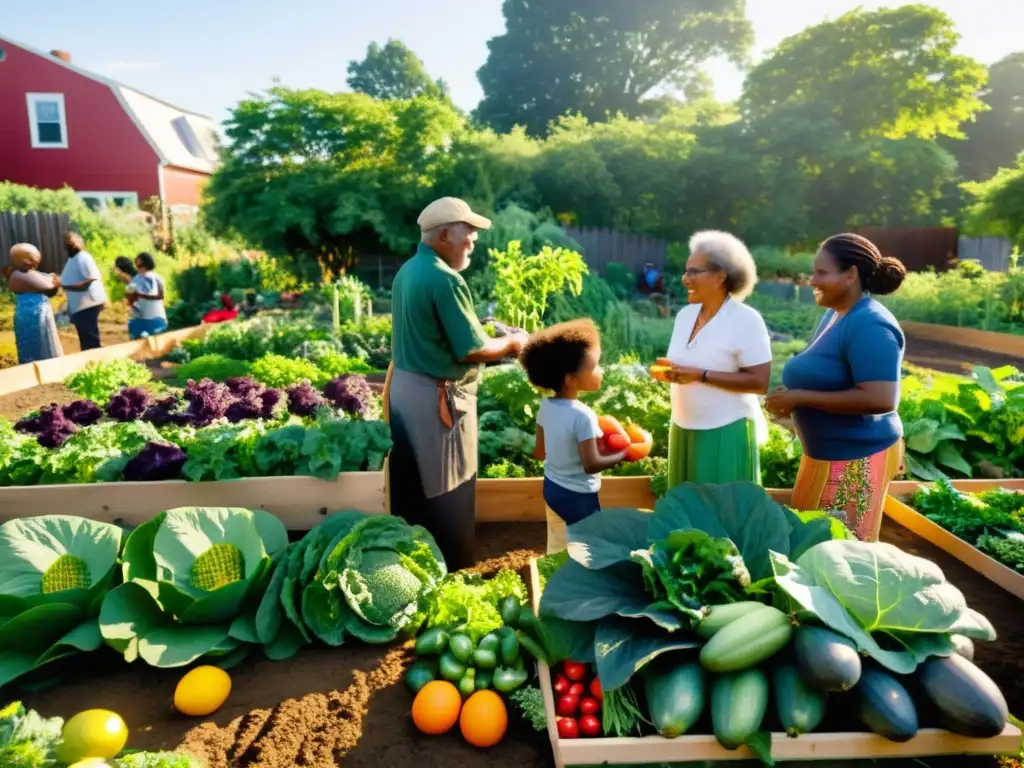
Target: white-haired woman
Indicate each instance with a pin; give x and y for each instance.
(718, 362)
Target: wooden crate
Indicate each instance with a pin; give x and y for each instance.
(699, 748)
(991, 569)
(300, 502)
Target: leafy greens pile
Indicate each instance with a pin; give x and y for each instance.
(636, 582)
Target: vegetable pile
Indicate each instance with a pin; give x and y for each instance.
(206, 585)
(635, 441)
(578, 699)
(721, 601)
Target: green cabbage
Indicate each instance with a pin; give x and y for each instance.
(54, 571)
(193, 579)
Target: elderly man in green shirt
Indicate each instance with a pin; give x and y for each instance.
(438, 345)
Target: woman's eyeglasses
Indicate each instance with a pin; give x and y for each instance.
(694, 271)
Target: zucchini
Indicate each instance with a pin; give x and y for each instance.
(964, 699)
(738, 704)
(827, 661)
(747, 641)
(675, 697)
(719, 616)
(510, 648)
(964, 646)
(450, 667)
(433, 642)
(510, 608)
(461, 647)
(420, 673)
(884, 706)
(484, 658)
(800, 709)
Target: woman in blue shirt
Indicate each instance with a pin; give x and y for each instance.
(843, 390)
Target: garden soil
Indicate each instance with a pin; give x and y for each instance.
(348, 706)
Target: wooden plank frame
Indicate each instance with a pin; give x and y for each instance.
(698, 748)
(898, 511)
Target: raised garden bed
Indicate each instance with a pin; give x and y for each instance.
(699, 748)
(899, 511)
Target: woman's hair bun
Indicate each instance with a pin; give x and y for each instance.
(887, 276)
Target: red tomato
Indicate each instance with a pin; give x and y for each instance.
(616, 442)
(574, 670)
(577, 689)
(561, 685)
(590, 725)
(595, 689)
(589, 706)
(567, 728)
(567, 705)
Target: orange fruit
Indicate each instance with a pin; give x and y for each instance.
(484, 719)
(435, 710)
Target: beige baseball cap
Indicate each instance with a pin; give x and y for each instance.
(449, 210)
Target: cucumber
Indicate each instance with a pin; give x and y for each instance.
(433, 642)
(467, 683)
(827, 661)
(964, 646)
(747, 641)
(964, 699)
(484, 679)
(509, 608)
(420, 673)
(675, 698)
(884, 705)
(509, 648)
(461, 647)
(719, 616)
(450, 667)
(491, 642)
(738, 705)
(800, 708)
(485, 659)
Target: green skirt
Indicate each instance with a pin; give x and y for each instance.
(722, 455)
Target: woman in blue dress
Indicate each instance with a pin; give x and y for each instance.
(35, 329)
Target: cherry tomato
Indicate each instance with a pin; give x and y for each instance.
(567, 728)
(590, 725)
(561, 685)
(577, 689)
(616, 442)
(589, 706)
(574, 670)
(595, 689)
(567, 705)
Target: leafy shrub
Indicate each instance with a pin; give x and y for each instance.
(99, 381)
(280, 372)
(213, 366)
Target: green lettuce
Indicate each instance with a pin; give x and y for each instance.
(26, 739)
(193, 580)
(637, 582)
(54, 571)
(898, 608)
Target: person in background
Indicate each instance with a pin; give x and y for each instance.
(124, 271)
(843, 390)
(151, 317)
(651, 281)
(718, 362)
(438, 347)
(227, 313)
(565, 360)
(35, 330)
(83, 284)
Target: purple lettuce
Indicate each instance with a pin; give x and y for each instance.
(240, 386)
(84, 413)
(166, 410)
(156, 461)
(129, 404)
(350, 393)
(50, 426)
(207, 401)
(247, 406)
(270, 399)
(303, 399)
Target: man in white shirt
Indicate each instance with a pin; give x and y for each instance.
(83, 284)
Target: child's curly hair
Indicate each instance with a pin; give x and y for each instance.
(553, 353)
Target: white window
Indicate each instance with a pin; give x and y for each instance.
(100, 201)
(47, 120)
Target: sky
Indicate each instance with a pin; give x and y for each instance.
(207, 56)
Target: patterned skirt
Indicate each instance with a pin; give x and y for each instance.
(35, 329)
(855, 488)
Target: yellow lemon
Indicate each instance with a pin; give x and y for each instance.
(202, 691)
(97, 733)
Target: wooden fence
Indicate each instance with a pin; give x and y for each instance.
(602, 247)
(919, 248)
(44, 230)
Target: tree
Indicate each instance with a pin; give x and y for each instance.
(393, 72)
(601, 57)
(890, 73)
(996, 137)
(998, 206)
(330, 176)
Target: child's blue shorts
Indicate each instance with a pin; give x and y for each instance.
(571, 506)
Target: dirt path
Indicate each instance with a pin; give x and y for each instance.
(347, 706)
(954, 358)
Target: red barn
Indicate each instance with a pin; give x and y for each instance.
(61, 125)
